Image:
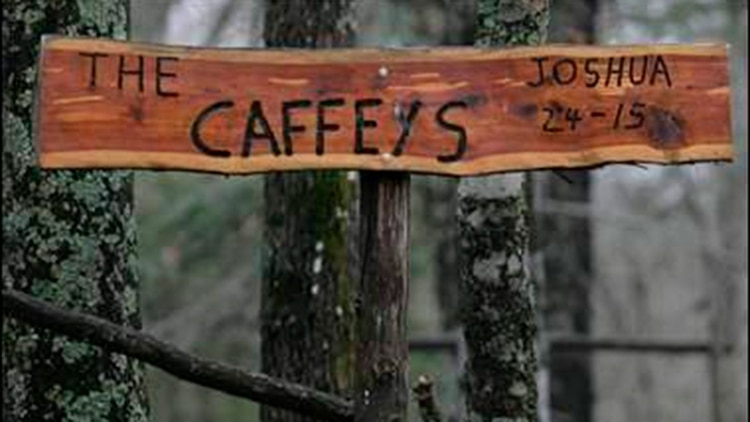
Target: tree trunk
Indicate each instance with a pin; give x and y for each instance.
(382, 348)
(497, 296)
(307, 323)
(731, 297)
(564, 241)
(439, 211)
(68, 238)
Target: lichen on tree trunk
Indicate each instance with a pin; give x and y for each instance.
(68, 238)
(497, 306)
(307, 324)
(497, 295)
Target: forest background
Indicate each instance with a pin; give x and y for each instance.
(650, 255)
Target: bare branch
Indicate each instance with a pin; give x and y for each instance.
(565, 342)
(231, 380)
(569, 342)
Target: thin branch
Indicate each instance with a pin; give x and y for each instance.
(440, 343)
(211, 374)
(563, 176)
(425, 398)
(563, 342)
(583, 343)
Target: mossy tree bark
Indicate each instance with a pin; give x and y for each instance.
(68, 238)
(497, 295)
(307, 324)
(564, 240)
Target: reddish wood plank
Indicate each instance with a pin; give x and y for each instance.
(453, 111)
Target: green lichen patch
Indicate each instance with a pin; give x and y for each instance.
(68, 239)
(497, 305)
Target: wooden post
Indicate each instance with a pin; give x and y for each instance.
(381, 385)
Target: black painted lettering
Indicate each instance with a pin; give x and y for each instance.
(660, 67)
(361, 123)
(257, 116)
(637, 114)
(288, 128)
(195, 129)
(590, 71)
(548, 123)
(122, 72)
(458, 129)
(92, 74)
(406, 123)
(539, 61)
(322, 126)
(161, 74)
(611, 70)
(616, 123)
(559, 74)
(573, 116)
(633, 64)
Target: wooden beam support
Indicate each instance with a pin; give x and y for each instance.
(381, 384)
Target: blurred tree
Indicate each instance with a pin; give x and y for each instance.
(438, 196)
(497, 297)
(200, 235)
(68, 239)
(670, 245)
(306, 312)
(564, 244)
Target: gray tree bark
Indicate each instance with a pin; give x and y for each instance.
(307, 323)
(68, 238)
(497, 295)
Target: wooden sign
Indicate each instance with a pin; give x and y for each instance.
(453, 111)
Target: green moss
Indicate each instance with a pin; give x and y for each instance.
(511, 23)
(306, 309)
(72, 351)
(102, 14)
(96, 406)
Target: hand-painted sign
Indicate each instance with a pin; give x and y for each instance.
(454, 111)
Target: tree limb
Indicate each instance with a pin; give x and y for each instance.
(569, 342)
(211, 374)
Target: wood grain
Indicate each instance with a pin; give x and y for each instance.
(382, 354)
(677, 110)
